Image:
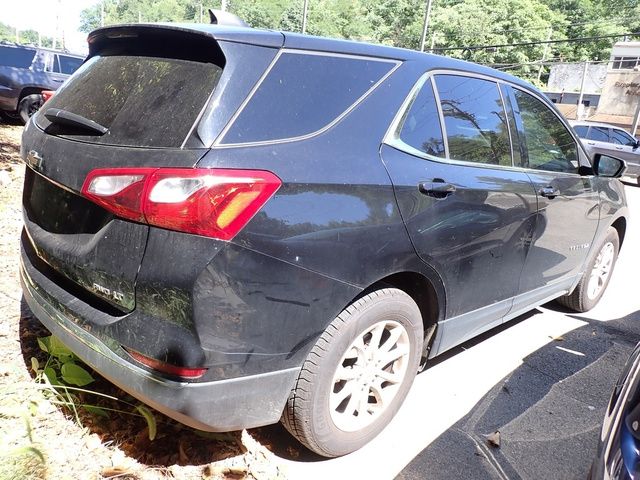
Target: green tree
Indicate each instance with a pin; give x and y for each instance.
(395, 22)
(455, 23)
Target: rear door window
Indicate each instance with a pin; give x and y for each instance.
(68, 65)
(581, 130)
(475, 120)
(421, 127)
(16, 57)
(143, 101)
(303, 93)
(599, 134)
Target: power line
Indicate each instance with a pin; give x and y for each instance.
(606, 21)
(505, 66)
(543, 42)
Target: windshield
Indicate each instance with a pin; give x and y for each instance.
(143, 101)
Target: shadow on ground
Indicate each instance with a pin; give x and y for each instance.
(9, 150)
(175, 443)
(548, 411)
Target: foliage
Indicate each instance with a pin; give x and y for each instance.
(63, 373)
(61, 367)
(454, 23)
(26, 37)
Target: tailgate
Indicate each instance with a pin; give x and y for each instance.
(147, 88)
(80, 241)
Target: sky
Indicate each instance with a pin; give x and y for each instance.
(41, 15)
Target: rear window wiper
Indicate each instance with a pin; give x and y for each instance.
(63, 117)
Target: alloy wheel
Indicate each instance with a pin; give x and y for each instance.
(369, 375)
(601, 270)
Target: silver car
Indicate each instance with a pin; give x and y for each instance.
(25, 72)
(611, 140)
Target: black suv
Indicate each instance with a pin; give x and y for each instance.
(25, 72)
(238, 226)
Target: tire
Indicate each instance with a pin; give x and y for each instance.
(28, 106)
(320, 412)
(587, 294)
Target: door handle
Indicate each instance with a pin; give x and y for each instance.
(549, 192)
(591, 143)
(436, 188)
(618, 148)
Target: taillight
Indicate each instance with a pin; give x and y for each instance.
(185, 372)
(118, 190)
(215, 203)
(47, 94)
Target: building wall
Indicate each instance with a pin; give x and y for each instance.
(621, 93)
(568, 77)
(624, 49)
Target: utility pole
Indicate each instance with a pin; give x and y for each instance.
(425, 26)
(544, 53)
(433, 42)
(102, 13)
(223, 6)
(200, 12)
(139, 16)
(17, 36)
(580, 109)
(305, 9)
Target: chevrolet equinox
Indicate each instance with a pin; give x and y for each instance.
(239, 226)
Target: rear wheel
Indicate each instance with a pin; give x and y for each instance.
(28, 106)
(596, 277)
(357, 375)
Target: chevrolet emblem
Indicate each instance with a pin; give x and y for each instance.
(34, 160)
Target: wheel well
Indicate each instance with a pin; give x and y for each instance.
(421, 290)
(621, 226)
(28, 91)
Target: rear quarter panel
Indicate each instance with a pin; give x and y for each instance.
(335, 214)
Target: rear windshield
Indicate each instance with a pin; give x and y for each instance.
(16, 57)
(143, 101)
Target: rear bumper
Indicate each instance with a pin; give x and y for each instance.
(224, 405)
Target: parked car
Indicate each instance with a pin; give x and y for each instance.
(618, 455)
(298, 224)
(25, 72)
(611, 140)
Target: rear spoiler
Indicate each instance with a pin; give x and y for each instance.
(164, 39)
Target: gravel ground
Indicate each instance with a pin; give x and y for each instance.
(42, 439)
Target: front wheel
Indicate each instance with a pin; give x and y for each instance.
(596, 277)
(357, 374)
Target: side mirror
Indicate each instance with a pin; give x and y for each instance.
(606, 166)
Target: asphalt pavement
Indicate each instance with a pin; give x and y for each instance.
(542, 381)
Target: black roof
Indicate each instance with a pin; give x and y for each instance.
(277, 39)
